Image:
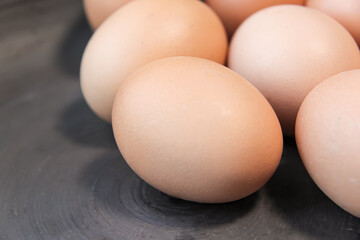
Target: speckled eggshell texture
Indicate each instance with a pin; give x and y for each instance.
(143, 31)
(286, 50)
(196, 130)
(328, 138)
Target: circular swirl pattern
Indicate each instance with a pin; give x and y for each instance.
(62, 177)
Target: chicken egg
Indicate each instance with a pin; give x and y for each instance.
(286, 50)
(233, 13)
(328, 138)
(196, 130)
(346, 12)
(143, 31)
(97, 11)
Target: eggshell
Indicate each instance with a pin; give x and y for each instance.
(346, 12)
(233, 13)
(196, 130)
(98, 10)
(328, 138)
(143, 31)
(286, 50)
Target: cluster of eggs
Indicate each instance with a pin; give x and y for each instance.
(198, 130)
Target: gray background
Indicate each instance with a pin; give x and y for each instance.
(62, 176)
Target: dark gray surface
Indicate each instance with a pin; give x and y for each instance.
(62, 177)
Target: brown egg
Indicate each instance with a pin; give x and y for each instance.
(196, 130)
(233, 13)
(328, 138)
(98, 10)
(346, 12)
(286, 50)
(143, 31)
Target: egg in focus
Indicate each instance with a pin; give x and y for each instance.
(233, 13)
(97, 11)
(196, 130)
(143, 31)
(286, 50)
(328, 138)
(346, 12)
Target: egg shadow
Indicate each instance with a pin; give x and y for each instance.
(120, 191)
(73, 45)
(80, 125)
(303, 205)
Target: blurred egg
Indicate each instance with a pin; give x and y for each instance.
(97, 11)
(196, 130)
(143, 31)
(287, 50)
(346, 12)
(328, 138)
(233, 13)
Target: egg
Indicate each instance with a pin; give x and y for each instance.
(143, 31)
(286, 50)
(97, 11)
(328, 138)
(233, 13)
(196, 130)
(346, 12)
